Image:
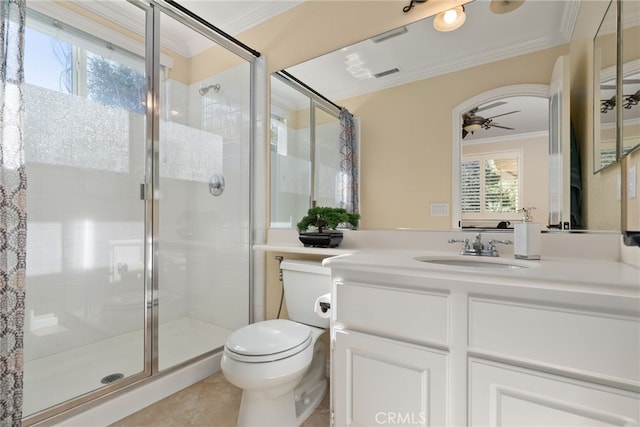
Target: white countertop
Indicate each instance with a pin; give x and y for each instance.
(587, 275)
(298, 248)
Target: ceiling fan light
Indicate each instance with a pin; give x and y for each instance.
(450, 20)
(472, 127)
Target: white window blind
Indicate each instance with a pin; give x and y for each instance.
(491, 185)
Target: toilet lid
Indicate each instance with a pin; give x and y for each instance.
(268, 338)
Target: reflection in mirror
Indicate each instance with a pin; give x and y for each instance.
(604, 67)
(630, 59)
(326, 133)
(505, 162)
(630, 107)
(305, 152)
(290, 149)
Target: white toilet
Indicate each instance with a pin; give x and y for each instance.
(280, 364)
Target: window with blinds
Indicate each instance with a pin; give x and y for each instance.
(491, 185)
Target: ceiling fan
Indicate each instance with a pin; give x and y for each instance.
(471, 122)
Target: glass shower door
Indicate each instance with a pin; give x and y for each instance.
(85, 145)
(203, 222)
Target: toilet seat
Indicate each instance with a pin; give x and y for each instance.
(268, 340)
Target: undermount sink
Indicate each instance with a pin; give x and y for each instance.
(474, 262)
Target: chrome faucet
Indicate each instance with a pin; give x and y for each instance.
(477, 248)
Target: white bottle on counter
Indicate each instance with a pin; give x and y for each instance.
(526, 236)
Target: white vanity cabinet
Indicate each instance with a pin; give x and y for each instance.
(430, 348)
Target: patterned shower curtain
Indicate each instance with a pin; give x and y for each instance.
(13, 213)
(348, 188)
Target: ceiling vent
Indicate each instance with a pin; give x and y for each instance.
(386, 73)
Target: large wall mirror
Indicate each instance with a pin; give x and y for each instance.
(404, 85)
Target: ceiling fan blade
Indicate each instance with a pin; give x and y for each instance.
(499, 126)
(486, 107)
(503, 114)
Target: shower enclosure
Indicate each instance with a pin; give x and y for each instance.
(138, 134)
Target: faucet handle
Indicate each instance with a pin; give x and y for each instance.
(465, 241)
(493, 242)
(492, 251)
(465, 249)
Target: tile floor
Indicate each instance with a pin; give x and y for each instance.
(212, 402)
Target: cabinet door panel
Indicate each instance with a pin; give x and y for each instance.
(377, 381)
(501, 395)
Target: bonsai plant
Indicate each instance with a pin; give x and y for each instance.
(324, 218)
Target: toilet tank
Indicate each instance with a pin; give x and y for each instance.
(304, 282)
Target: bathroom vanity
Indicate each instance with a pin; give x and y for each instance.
(422, 338)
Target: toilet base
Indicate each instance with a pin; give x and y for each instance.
(256, 410)
(281, 411)
(260, 408)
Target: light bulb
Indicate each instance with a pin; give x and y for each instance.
(450, 16)
(450, 19)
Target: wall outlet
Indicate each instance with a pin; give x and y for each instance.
(632, 182)
(439, 209)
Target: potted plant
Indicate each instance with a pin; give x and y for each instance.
(325, 220)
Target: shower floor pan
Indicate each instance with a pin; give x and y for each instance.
(62, 376)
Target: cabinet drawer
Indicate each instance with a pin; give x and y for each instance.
(595, 343)
(416, 316)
